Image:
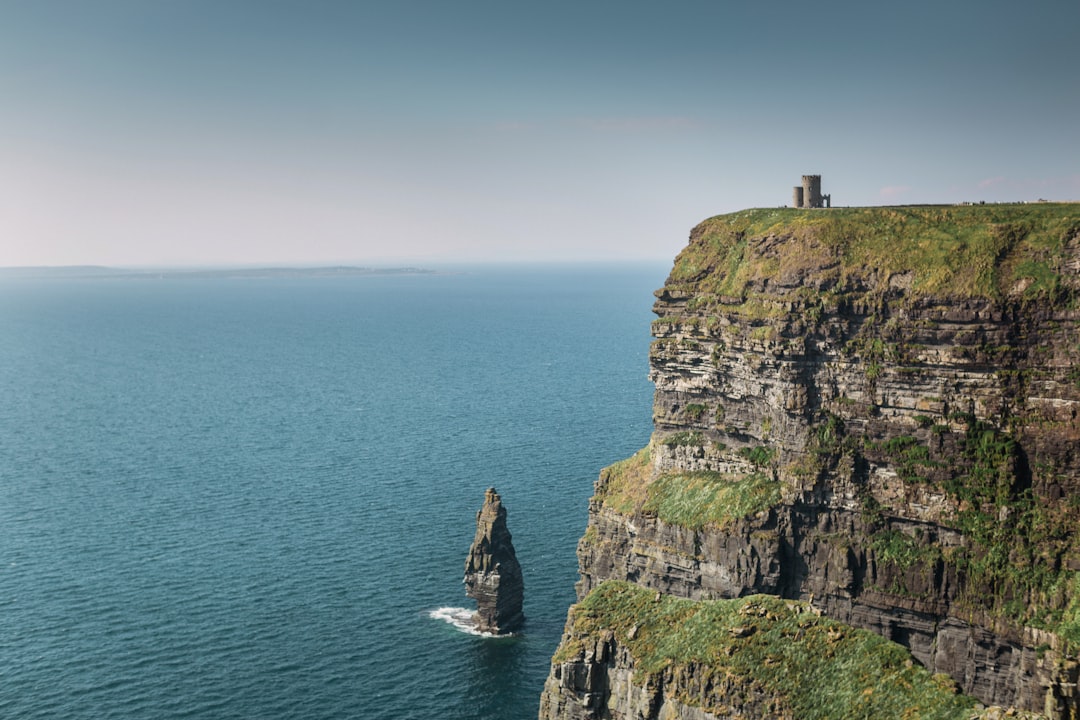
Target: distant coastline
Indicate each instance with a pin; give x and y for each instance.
(241, 273)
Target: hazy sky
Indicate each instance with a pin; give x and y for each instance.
(138, 132)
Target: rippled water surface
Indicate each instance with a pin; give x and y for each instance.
(238, 498)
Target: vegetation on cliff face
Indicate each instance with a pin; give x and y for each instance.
(813, 667)
(1017, 541)
(698, 499)
(624, 485)
(939, 251)
(691, 499)
(1015, 563)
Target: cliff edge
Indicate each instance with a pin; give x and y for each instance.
(870, 411)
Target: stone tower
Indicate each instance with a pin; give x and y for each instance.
(811, 185)
(808, 195)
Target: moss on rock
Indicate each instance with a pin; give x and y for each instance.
(809, 666)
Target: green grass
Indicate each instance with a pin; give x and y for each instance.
(941, 251)
(760, 455)
(694, 411)
(809, 666)
(690, 499)
(897, 548)
(1070, 621)
(684, 438)
(622, 486)
(909, 457)
(698, 499)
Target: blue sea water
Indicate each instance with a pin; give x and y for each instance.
(241, 498)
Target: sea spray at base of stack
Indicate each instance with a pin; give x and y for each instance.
(460, 618)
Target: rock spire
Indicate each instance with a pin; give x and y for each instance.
(492, 572)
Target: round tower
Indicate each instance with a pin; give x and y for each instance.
(811, 191)
(796, 200)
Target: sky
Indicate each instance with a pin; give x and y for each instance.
(275, 132)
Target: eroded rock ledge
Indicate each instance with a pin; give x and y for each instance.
(630, 652)
(874, 411)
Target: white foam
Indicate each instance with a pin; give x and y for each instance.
(461, 618)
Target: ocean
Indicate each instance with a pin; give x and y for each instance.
(253, 497)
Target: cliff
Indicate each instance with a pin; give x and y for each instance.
(872, 411)
(492, 573)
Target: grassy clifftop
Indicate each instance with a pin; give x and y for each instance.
(762, 649)
(984, 251)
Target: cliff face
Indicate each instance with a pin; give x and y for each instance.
(874, 411)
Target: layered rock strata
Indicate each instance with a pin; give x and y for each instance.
(492, 573)
(876, 411)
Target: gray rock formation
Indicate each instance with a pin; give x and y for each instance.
(602, 676)
(911, 423)
(492, 572)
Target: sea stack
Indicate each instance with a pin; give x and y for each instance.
(492, 573)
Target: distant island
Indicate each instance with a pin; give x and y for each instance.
(238, 273)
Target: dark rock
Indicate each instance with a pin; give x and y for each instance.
(492, 572)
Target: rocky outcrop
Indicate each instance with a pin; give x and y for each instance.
(632, 653)
(600, 680)
(492, 573)
(876, 411)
